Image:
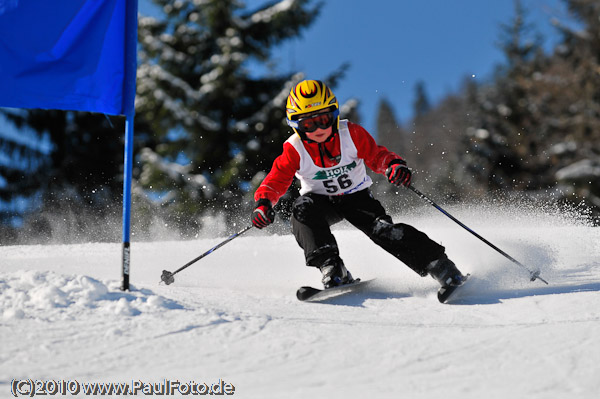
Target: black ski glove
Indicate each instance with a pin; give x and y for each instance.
(263, 214)
(398, 173)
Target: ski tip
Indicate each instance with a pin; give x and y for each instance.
(304, 293)
(445, 293)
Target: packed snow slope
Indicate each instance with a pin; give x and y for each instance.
(233, 316)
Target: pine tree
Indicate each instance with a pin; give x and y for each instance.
(504, 144)
(206, 126)
(389, 130)
(74, 167)
(538, 123)
(576, 107)
(421, 104)
(214, 127)
(22, 159)
(391, 135)
(433, 150)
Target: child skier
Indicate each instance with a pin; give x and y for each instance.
(328, 156)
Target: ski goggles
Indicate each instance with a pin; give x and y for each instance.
(311, 123)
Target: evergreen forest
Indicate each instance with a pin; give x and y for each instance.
(207, 128)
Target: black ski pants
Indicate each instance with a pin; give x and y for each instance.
(314, 214)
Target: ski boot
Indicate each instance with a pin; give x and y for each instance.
(445, 272)
(335, 274)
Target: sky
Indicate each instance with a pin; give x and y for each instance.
(392, 45)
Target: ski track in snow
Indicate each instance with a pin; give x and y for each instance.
(234, 316)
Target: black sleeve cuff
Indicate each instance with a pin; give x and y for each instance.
(263, 201)
(397, 161)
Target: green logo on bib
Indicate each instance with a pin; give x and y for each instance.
(333, 173)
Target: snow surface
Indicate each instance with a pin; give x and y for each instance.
(234, 316)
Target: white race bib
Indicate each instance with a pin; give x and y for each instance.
(348, 176)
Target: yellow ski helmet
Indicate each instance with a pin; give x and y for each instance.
(309, 96)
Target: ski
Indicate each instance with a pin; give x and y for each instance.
(316, 294)
(445, 293)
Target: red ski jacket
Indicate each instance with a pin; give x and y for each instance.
(324, 155)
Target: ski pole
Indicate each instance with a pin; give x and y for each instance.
(167, 276)
(532, 274)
